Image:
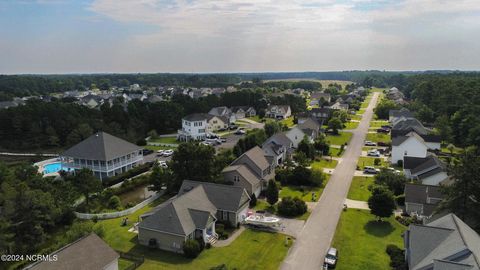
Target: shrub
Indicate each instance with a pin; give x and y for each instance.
(114, 202)
(253, 201)
(191, 248)
(208, 246)
(377, 161)
(292, 207)
(400, 199)
(128, 174)
(400, 163)
(397, 257)
(141, 142)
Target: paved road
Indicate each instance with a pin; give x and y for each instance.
(315, 238)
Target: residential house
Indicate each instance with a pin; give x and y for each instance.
(194, 127)
(429, 170)
(402, 126)
(321, 114)
(403, 112)
(278, 111)
(215, 123)
(279, 138)
(339, 106)
(224, 112)
(91, 101)
(411, 145)
(192, 214)
(89, 252)
(422, 200)
(154, 99)
(275, 151)
(251, 170)
(243, 111)
(446, 243)
(296, 135)
(104, 154)
(319, 98)
(310, 127)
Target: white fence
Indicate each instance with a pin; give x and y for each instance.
(119, 213)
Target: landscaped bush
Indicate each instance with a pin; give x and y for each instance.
(377, 161)
(191, 248)
(407, 220)
(299, 176)
(400, 200)
(292, 207)
(128, 174)
(114, 202)
(253, 200)
(397, 257)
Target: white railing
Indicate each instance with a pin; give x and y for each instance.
(119, 213)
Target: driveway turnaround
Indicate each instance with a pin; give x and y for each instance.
(314, 240)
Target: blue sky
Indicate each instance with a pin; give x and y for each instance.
(90, 36)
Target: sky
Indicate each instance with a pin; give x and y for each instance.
(203, 36)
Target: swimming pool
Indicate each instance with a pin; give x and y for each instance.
(54, 167)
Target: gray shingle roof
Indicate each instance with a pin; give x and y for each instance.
(410, 163)
(398, 140)
(410, 124)
(257, 156)
(280, 138)
(431, 162)
(446, 243)
(224, 197)
(245, 172)
(89, 252)
(196, 117)
(101, 146)
(309, 124)
(219, 111)
(402, 112)
(176, 217)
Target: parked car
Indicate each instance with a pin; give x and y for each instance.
(146, 151)
(387, 126)
(162, 164)
(370, 170)
(212, 136)
(222, 129)
(383, 130)
(160, 153)
(233, 127)
(331, 258)
(239, 132)
(370, 143)
(168, 153)
(373, 153)
(383, 144)
(213, 141)
(206, 143)
(394, 170)
(222, 139)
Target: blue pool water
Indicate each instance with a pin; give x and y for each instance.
(54, 167)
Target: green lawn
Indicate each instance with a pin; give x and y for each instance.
(124, 264)
(343, 137)
(156, 148)
(335, 152)
(378, 123)
(355, 116)
(263, 205)
(378, 137)
(361, 111)
(324, 163)
(456, 150)
(351, 125)
(170, 140)
(304, 192)
(255, 118)
(365, 103)
(359, 188)
(361, 240)
(369, 161)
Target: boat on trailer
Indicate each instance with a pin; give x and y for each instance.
(261, 220)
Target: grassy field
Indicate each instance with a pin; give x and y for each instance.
(355, 117)
(251, 250)
(361, 111)
(378, 137)
(379, 123)
(324, 163)
(359, 188)
(335, 152)
(155, 147)
(169, 140)
(124, 264)
(369, 161)
(361, 240)
(351, 125)
(255, 118)
(343, 137)
(304, 192)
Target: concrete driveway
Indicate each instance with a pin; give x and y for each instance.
(316, 236)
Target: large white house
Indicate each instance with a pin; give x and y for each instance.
(194, 127)
(411, 145)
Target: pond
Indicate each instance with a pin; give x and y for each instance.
(136, 195)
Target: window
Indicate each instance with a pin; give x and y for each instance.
(236, 178)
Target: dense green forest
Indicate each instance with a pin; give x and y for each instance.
(58, 124)
(25, 85)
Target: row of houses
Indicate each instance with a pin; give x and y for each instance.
(413, 147)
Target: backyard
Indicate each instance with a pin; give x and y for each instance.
(361, 240)
(359, 188)
(343, 137)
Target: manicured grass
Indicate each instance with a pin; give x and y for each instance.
(351, 125)
(255, 118)
(378, 137)
(124, 264)
(335, 152)
(379, 123)
(343, 137)
(361, 240)
(355, 117)
(369, 161)
(456, 150)
(169, 140)
(156, 147)
(361, 111)
(304, 192)
(366, 102)
(324, 163)
(359, 188)
(264, 206)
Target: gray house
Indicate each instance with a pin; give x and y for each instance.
(422, 200)
(89, 252)
(104, 154)
(192, 214)
(224, 112)
(443, 244)
(429, 170)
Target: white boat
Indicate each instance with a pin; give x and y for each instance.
(261, 220)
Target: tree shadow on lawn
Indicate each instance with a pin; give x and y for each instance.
(159, 255)
(378, 228)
